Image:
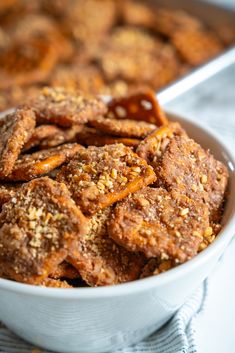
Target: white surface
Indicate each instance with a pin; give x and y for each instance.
(215, 328)
(214, 103)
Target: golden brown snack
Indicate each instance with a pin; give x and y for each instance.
(15, 129)
(34, 26)
(7, 191)
(102, 262)
(6, 5)
(226, 33)
(123, 127)
(197, 47)
(24, 63)
(159, 223)
(30, 166)
(137, 13)
(47, 136)
(100, 176)
(92, 137)
(16, 95)
(139, 105)
(66, 107)
(154, 69)
(63, 136)
(40, 133)
(55, 8)
(55, 283)
(152, 147)
(170, 21)
(129, 38)
(89, 20)
(87, 78)
(39, 227)
(4, 39)
(185, 166)
(65, 270)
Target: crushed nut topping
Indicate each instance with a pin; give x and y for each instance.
(139, 199)
(99, 187)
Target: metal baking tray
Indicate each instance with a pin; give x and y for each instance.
(214, 16)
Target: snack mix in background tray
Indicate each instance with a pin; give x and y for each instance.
(95, 193)
(99, 46)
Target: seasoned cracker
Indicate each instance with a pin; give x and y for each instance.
(47, 136)
(123, 127)
(92, 137)
(4, 39)
(7, 191)
(39, 227)
(152, 147)
(86, 78)
(226, 33)
(128, 38)
(33, 25)
(137, 13)
(55, 8)
(16, 95)
(65, 270)
(63, 136)
(24, 63)
(38, 26)
(168, 67)
(154, 69)
(185, 166)
(15, 129)
(170, 21)
(66, 107)
(159, 223)
(7, 5)
(140, 105)
(30, 166)
(197, 47)
(91, 19)
(100, 176)
(99, 260)
(40, 133)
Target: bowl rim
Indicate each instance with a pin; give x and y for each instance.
(140, 285)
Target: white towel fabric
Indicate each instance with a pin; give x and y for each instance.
(177, 336)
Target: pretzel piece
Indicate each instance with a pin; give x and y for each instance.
(158, 223)
(30, 166)
(138, 106)
(100, 176)
(15, 129)
(100, 260)
(39, 227)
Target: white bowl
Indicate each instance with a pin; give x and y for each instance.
(106, 318)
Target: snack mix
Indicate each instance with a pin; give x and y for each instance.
(103, 47)
(95, 193)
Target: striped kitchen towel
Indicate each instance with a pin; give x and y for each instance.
(177, 336)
